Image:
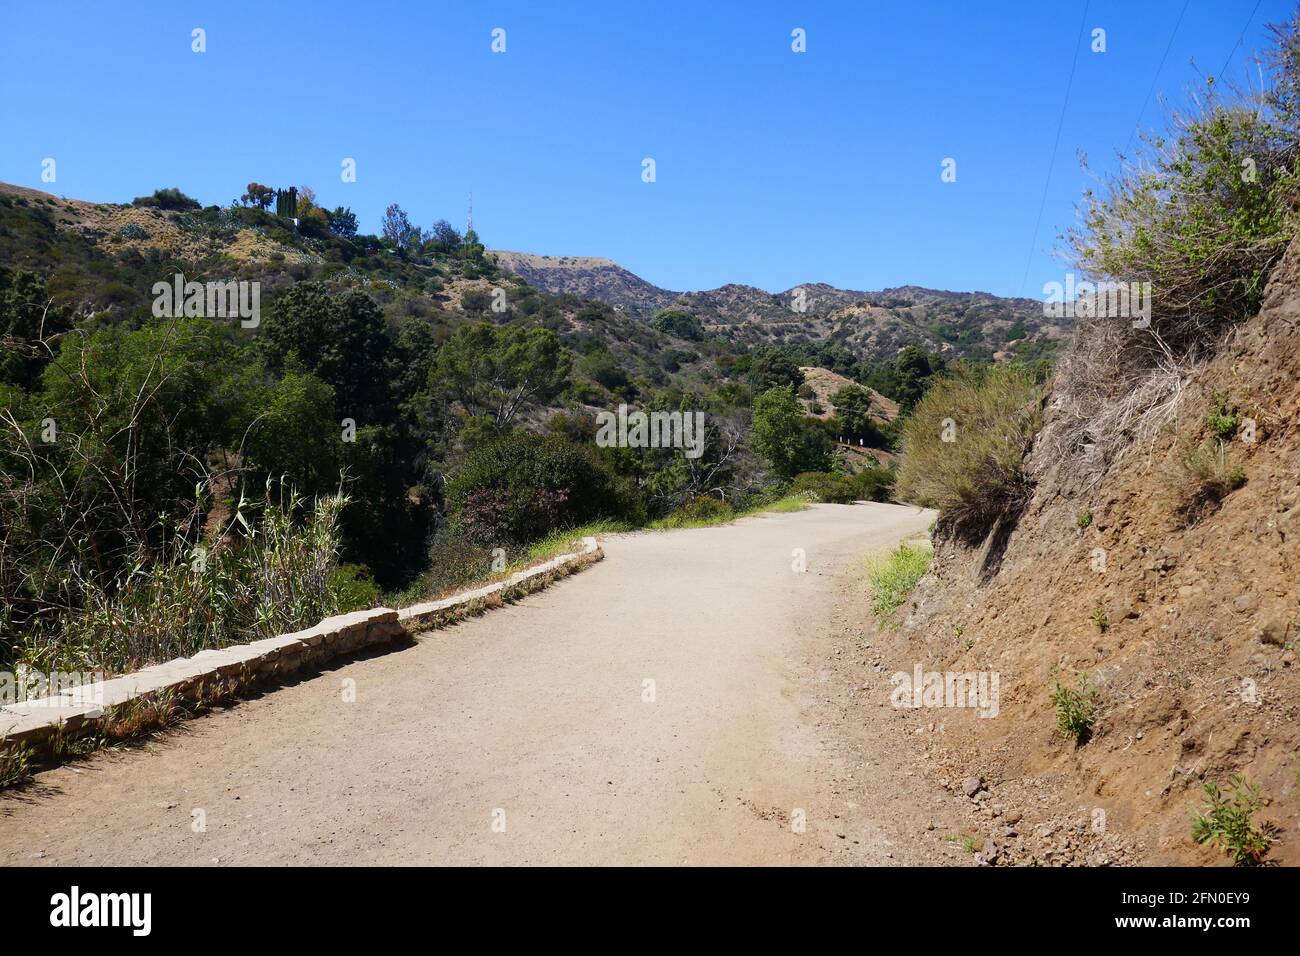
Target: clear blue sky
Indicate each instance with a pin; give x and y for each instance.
(774, 168)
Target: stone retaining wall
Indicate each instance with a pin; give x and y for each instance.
(32, 722)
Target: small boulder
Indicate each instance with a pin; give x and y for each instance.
(1275, 632)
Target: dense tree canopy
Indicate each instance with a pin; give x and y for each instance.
(789, 440)
(498, 370)
(773, 368)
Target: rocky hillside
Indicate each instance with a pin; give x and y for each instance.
(587, 277)
(104, 258)
(1161, 576)
(822, 383)
(871, 324)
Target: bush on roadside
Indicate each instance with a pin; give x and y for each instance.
(893, 575)
(518, 488)
(455, 561)
(1202, 214)
(704, 510)
(874, 483)
(271, 575)
(353, 589)
(15, 764)
(964, 445)
(870, 484)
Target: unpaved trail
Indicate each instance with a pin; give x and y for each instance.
(539, 716)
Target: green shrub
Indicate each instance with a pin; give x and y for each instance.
(1221, 422)
(870, 484)
(516, 489)
(1084, 519)
(964, 445)
(170, 198)
(1202, 213)
(681, 324)
(823, 486)
(893, 575)
(875, 483)
(475, 301)
(1226, 821)
(1193, 225)
(703, 511)
(1076, 710)
(353, 589)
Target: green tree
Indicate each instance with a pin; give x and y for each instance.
(28, 324)
(678, 323)
(343, 222)
(789, 440)
(905, 377)
(500, 370)
(444, 238)
(772, 368)
(398, 230)
(258, 196)
(520, 487)
(296, 436)
(139, 415)
(342, 339)
(853, 408)
(604, 368)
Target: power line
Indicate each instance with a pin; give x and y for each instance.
(1038, 221)
(1242, 36)
(1146, 102)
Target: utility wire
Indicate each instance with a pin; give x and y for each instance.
(1146, 102)
(1038, 221)
(1242, 36)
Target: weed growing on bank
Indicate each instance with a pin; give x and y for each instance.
(1226, 820)
(893, 575)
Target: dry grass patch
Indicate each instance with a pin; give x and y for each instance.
(964, 446)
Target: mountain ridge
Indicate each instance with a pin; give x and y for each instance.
(880, 322)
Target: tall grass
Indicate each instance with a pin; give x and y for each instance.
(567, 540)
(893, 575)
(270, 575)
(964, 445)
(706, 512)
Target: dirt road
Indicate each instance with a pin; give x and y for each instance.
(682, 701)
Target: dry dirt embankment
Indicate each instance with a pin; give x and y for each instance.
(1187, 627)
(537, 716)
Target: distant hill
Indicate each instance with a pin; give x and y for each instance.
(871, 324)
(587, 277)
(824, 383)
